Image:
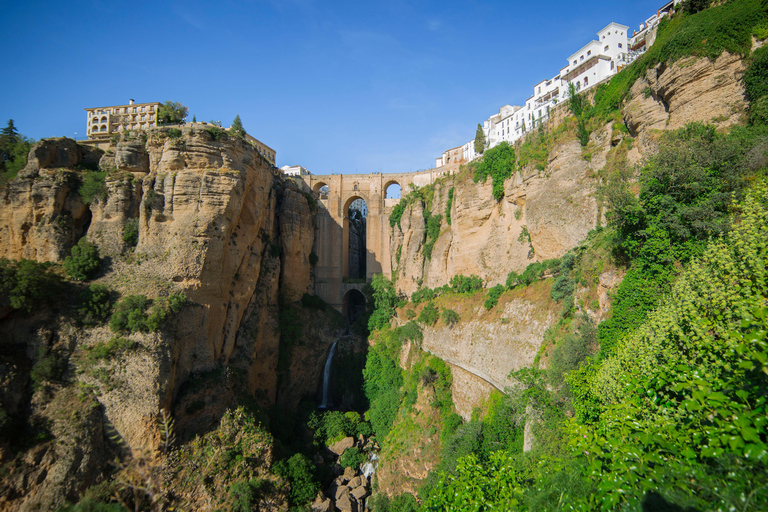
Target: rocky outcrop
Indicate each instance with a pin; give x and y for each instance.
(486, 237)
(691, 89)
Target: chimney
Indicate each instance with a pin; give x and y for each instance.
(130, 102)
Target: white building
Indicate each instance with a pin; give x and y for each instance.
(295, 170)
(597, 60)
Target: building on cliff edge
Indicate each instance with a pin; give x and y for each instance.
(104, 122)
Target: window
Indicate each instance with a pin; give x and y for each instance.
(620, 46)
(574, 63)
(581, 58)
(611, 65)
(589, 53)
(586, 81)
(606, 47)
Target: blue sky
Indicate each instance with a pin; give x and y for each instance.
(335, 86)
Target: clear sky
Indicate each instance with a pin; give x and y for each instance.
(333, 85)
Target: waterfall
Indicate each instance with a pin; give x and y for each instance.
(327, 376)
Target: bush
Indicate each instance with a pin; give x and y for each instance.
(130, 315)
(352, 458)
(131, 232)
(498, 163)
(174, 133)
(298, 471)
(563, 287)
(428, 315)
(423, 294)
(758, 112)
(26, 284)
(464, 284)
(93, 187)
(493, 296)
(756, 76)
(448, 206)
(95, 304)
(83, 262)
(450, 317)
(433, 231)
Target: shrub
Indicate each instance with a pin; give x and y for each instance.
(95, 304)
(448, 206)
(217, 133)
(83, 262)
(49, 367)
(131, 232)
(498, 163)
(352, 458)
(174, 133)
(450, 317)
(433, 231)
(26, 284)
(130, 315)
(464, 284)
(563, 287)
(493, 296)
(428, 315)
(423, 294)
(298, 471)
(93, 187)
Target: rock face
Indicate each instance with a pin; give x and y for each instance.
(486, 237)
(214, 221)
(688, 90)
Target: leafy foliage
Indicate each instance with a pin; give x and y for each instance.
(450, 317)
(93, 187)
(464, 284)
(95, 304)
(237, 129)
(493, 296)
(83, 261)
(498, 163)
(756, 76)
(26, 284)
(429, 314)
(352, 458)
(449, 205)
(172, 112)
(298, 470)
(385, 300)
(134, 314)
(131, 232)
(433, 231)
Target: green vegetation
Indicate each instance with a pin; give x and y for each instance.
(237, 129)
(463, 284)
(298, 470)
(429, 314)
(93, 187)
(433, 231)
(26, 284)
(479, 139)
(385, 301)
(172, 112)
(449, 205)
(352, 458)
(95, 305)
(450, 317)
(83, 261)
(14, 149)
(493, 296)
(131, 232)
(107, 351)
(498, 163)
(174, 133)
(134, 314)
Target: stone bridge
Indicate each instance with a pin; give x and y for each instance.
(332, 271)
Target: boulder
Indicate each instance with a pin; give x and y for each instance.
(132, 156)
(359, 493)
(346, 504)
(322, 504)
(339, 447)
(341, 490)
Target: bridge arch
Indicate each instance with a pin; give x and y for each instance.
(352, 269)
(353, 305)
(392, 189)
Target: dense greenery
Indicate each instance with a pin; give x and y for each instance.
(237, 129)
(14, 148)
(433, 231)
(449, 205)
(95, 304)
(137, 313)
(463, 284)
(498, 163)
(172, 112)
(131, 232)
(429, 314)
(84, 260)
(26, 284)
(93, 186)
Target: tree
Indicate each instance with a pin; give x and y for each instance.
(172, 112)
(8, 139)
(479, 140)
(237, 129)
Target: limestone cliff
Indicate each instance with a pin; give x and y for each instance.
(214, 221)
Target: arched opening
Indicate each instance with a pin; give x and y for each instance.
(392, 190)
(355, 236)
(353, 305)
(321, 190)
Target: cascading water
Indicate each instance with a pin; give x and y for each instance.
(327, 376)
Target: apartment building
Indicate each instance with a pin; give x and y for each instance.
(294, 170)
(103, 122)
(267, 152)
